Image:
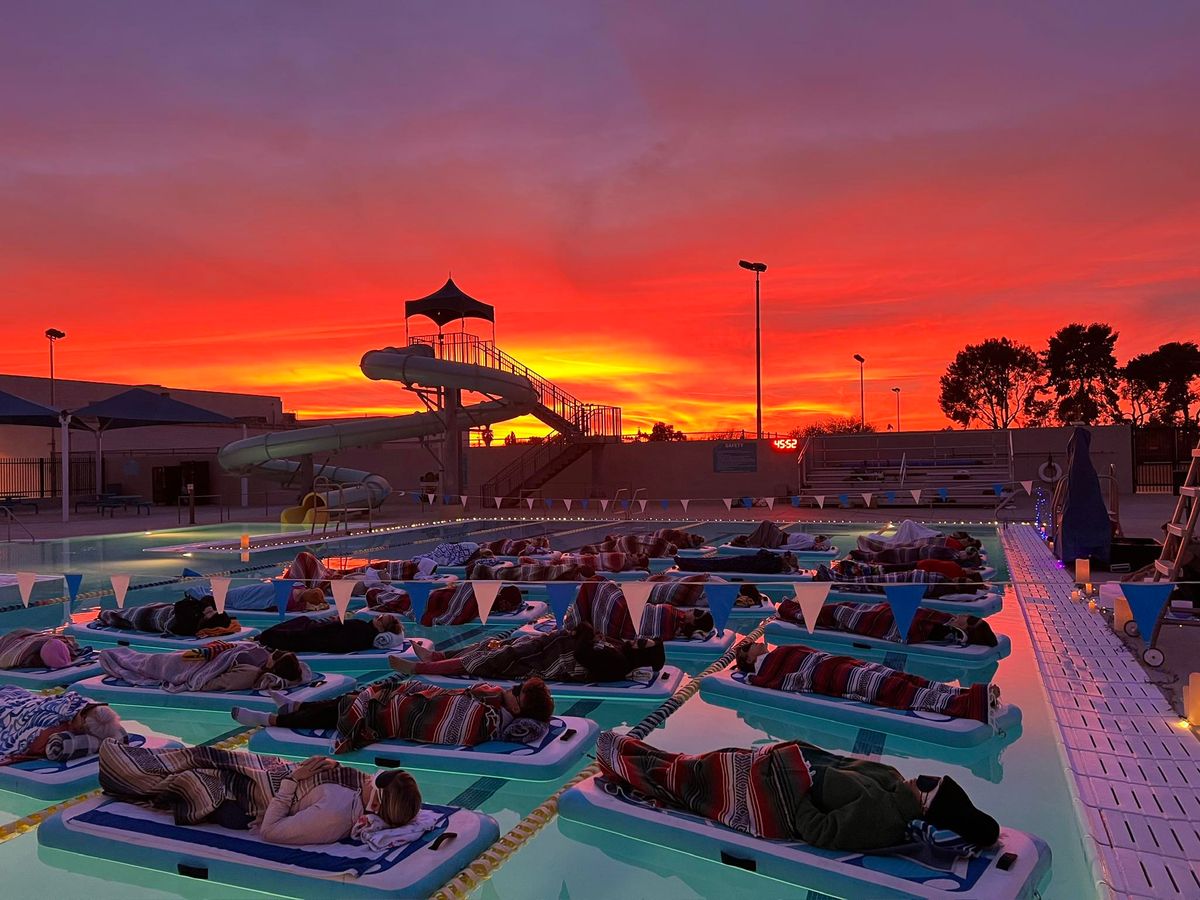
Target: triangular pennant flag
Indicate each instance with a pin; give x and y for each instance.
(585, 503)
(997, 489)
(642, 503)
(891, 495)
(770, 501)
(73, 581)
(445, 499)
(1028, 485)
(916, 495)
(120, 584)
(943, 493)
(747, 502)
(283, 593)
(844, 500)
(430, 497)
(418, 595)
(416, 498)
(624, 504)
(190, 573)
(664, 503)
(567, 503)
(1146, 602)
(463, 500)
(904, 600)
(603, 505)
(549, 502)
(25, 582)
(721, 599)
(811, 596)
(498, 501)
(219, 585)
(820, 498)
(728, 501)
(485, 597)
(530, 501)
(636, 594)
(685, 504)
(796, 501)
(342, 588)
(867, 495)
(561, 595)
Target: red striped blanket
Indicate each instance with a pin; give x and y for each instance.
(451, 605)
(602, 604)
(802, 670)
(751, 791)
(679, 537)
(871, 620)
(482, 571)
(634, 545)
(402, 708)
(511, 547)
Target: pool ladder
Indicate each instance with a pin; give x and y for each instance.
(11, 519)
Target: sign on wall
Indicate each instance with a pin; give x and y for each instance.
(735, 456)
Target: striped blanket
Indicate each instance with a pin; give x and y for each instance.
(195, 781)
(633, 545)
(511, 547)
(153, 618)
(874, 620)
(550, 655)
(602, 604)
(452, 554)
(869, 544)
(183, 671)
(906, 555)
(802, 670)
(761, 563)
(751, 791)
(482, 571)
(457, 605)
(401, 708)
(679, 537)
(24, 716)
(22, 647)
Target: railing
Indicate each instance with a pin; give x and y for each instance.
(11, 518)
(40, 476)
(802, 463)
(524, 466)
(586, 418)
(903, 468)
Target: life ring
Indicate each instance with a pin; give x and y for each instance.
(1050, 472)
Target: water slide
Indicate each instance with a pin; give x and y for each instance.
(413, 366)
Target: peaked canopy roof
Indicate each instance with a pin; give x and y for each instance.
(449, 304)
(137, 407)
(16, 410)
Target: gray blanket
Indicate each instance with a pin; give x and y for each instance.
(176, 674)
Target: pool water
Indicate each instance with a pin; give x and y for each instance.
(1022, 784)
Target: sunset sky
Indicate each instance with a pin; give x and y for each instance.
(240, 196)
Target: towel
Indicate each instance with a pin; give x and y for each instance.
(525, 731)
(65, 746)
(374, 833)
(220, 631)
(385, 640)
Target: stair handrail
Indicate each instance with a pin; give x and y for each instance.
(903, 467)
(632, 500)
(12, 518)
(802, 464)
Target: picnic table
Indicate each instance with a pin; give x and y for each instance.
(113, 502)
(12, 502)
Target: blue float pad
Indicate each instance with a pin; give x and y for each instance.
(109, 689)
(982, 604)
(838, 873)
(677, 651)
(552, 757)
(373, 660)
(265, 618)
(528, 611)
(730, 550)
(149, 839)
(757, 578)
(640, 690)
(729, 688)
(117, 637)
(40, 679)
(46, 780)
(841, 642)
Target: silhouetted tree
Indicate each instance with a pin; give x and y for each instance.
(1082, 371)
(995, 383)
(1158, 385)
(661, 431)
(833, 425)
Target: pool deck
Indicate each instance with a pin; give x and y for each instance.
(1135, 764)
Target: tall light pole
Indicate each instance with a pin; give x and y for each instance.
(862, 392)
(896, 391)
(757, 268)
(52, 335)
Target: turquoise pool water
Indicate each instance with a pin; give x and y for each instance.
(1023, 784)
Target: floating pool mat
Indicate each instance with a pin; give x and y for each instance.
(972, 656)
(110, 689)
(96, 634)
(38, 679)
(374, 659)
(1011, 870)
(680, 651)
(528, 611)
(150, 839)
(730, 689)
(554, 755)
(731, 550)
(644, 687)
(44, 779)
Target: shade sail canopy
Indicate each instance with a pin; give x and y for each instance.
(16, 410)
(137, 407)
(449, 304)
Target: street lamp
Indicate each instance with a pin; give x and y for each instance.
(862, 392)
(757, 268)
(52, 334)
(896, 391)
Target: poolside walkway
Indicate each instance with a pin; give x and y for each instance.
(1135, 764)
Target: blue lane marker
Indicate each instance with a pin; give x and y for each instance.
(479, 792)
(869, 743)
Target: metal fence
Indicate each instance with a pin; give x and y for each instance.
(40, 476)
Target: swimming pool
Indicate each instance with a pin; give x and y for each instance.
(1023, 785)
